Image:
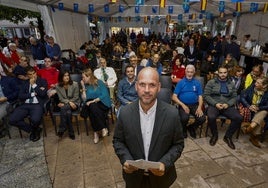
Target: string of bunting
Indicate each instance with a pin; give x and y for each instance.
(254, 7)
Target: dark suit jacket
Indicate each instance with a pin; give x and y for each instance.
(189, 55)
(166, 144)
(9, 88)
(24, 92)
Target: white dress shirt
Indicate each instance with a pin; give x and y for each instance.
(112, 78)
(147, 126)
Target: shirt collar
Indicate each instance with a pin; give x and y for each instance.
(151, 110)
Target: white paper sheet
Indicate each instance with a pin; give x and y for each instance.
(143, 164)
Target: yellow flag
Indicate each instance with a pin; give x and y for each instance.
(162, 3)
(265, 8)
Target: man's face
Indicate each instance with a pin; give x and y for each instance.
(133, 62)
(155, 58)
(148, 86)
(48, 62)
(23, 61)
(31, 74)
(189, 73)
(191, 42)
(130, 73)
(98, 55)
(103, 63)
(223, 73)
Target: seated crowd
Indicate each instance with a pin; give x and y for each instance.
(243, 99)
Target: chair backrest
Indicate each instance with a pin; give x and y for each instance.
(164, 95)
(67, 67)
(166, 82)
(201, 79)
(76, 77)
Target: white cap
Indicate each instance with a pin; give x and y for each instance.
(180, 50)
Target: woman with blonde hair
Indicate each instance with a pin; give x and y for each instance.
(97, 100)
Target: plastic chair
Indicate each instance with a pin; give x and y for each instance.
(165, 95)
(165, 81)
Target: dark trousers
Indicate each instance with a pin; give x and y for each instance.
(97, 114)
(185, 117)
(35, 113)
(231, 113)
(66, 119)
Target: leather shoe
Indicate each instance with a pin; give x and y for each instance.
(60, 134)
(213, 140)
(2, 134)
(229, 142)
(35, 134)
(191, 130)
(72, 136)
(253, 139)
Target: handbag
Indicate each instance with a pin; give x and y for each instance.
(84, 111)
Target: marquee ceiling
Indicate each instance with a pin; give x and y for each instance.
(129, 5)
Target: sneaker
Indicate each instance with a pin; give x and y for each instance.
(96, 138)
(104, 132)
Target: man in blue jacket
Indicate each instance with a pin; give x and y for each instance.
(8, 94)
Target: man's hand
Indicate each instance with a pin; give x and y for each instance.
(219, 106)
(199, 112)
(160, 171)
(73, 106)
(129, 168)
(225, 106)
(186, 109)
(3, 99)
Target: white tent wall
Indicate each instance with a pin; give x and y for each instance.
(71, 29)
(20, 4)
(254, 24)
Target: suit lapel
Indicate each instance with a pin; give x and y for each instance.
(137, 123)
(158, 123)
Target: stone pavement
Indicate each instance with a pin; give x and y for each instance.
(23, 163)
(81, 163)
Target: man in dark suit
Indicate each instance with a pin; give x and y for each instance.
(148, 129)
(8, 94)
(33, 93)
(191, 53)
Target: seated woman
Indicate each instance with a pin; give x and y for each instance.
(255, 103)
(237, 77)
(178, 70)
(208, 67)
(68, 93)
(257, 72)
(97, 98)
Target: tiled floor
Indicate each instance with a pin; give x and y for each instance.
(81, 163)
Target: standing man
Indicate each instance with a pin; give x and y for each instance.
(34, 94)
(38, 50)
(188, 95)
(148, 129)
(220, 94)
(191, 52)
(53, 50)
